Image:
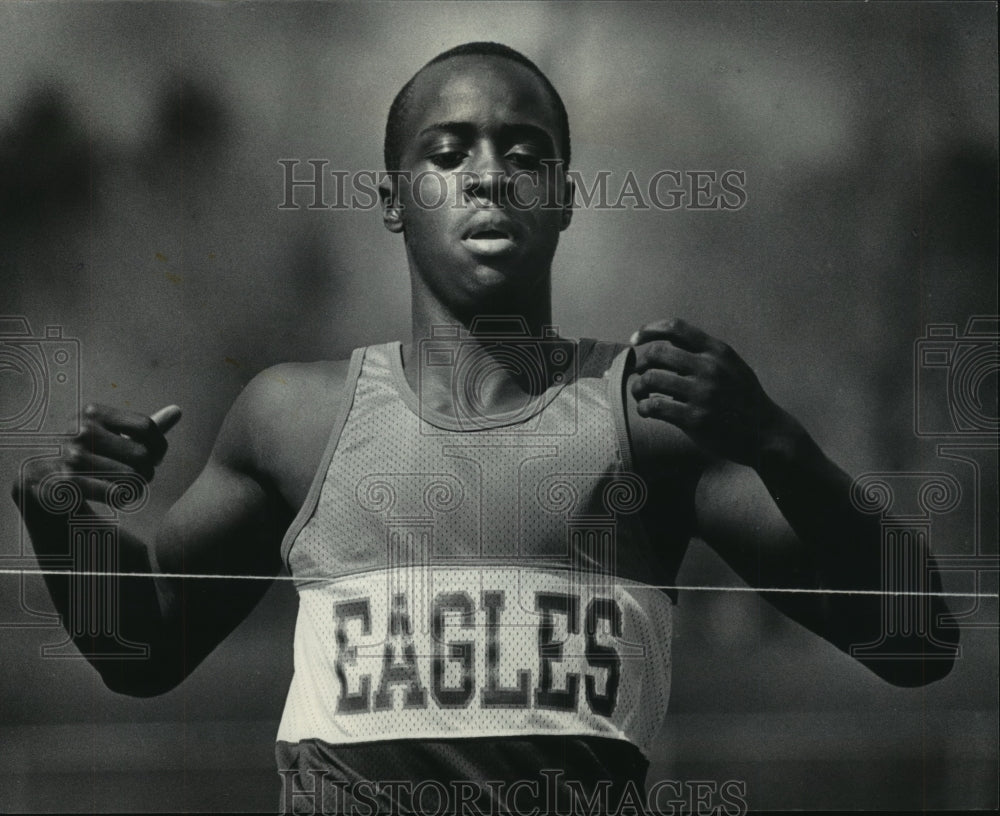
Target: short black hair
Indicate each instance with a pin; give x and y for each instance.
(393, 147)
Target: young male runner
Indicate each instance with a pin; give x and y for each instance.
(478, 521)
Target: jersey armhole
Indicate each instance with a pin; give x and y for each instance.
(312, 497)
(616, 399)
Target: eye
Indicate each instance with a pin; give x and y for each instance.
(447, 159)
(524, 160)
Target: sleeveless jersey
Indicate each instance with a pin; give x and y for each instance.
(474, 598)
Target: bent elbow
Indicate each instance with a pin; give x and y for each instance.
(922, 673)
(913, 670)
(133, 682)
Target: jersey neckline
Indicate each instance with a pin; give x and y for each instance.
(432, 416)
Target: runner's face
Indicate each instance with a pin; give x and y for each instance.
(472, 241)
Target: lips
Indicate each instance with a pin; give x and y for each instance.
(488, 225)
(489, 234)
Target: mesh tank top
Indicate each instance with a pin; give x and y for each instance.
(473, 597)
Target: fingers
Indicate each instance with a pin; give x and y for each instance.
(102, 442)
(119, 456)
(111, 444)
(166, 417)
(681, 372)
(93, 488)
(111, 449)
(679, 347)
(668, 396)
(658, 381)
(44, 486)
(131, 423)
(686, 416)
(679, 332)
(113, 440)
(662, 354)
(125, 436)
(102, 423)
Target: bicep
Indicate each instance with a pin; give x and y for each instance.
(226, 523)
(231, 520)
(219, 545)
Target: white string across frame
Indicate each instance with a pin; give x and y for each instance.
(684, 587)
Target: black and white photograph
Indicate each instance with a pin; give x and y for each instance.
(499, 407)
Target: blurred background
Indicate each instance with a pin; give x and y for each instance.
(140, 187)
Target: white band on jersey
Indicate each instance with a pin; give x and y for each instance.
(446, 652)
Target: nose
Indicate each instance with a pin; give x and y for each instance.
(487, 179)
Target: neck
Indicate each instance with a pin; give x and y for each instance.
(501, 353)
(532, 309)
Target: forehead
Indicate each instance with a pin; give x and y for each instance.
(479, 90)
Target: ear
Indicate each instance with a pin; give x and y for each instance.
(392, 211)
(567, 207)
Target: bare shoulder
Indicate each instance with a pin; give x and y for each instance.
(292, 392)
(278, 427)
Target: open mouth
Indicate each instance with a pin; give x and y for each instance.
(489, 241)
(489, 234)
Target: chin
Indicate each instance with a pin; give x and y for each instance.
(510, 277)
(494, 276)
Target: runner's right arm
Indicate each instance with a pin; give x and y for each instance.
(229, 522)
